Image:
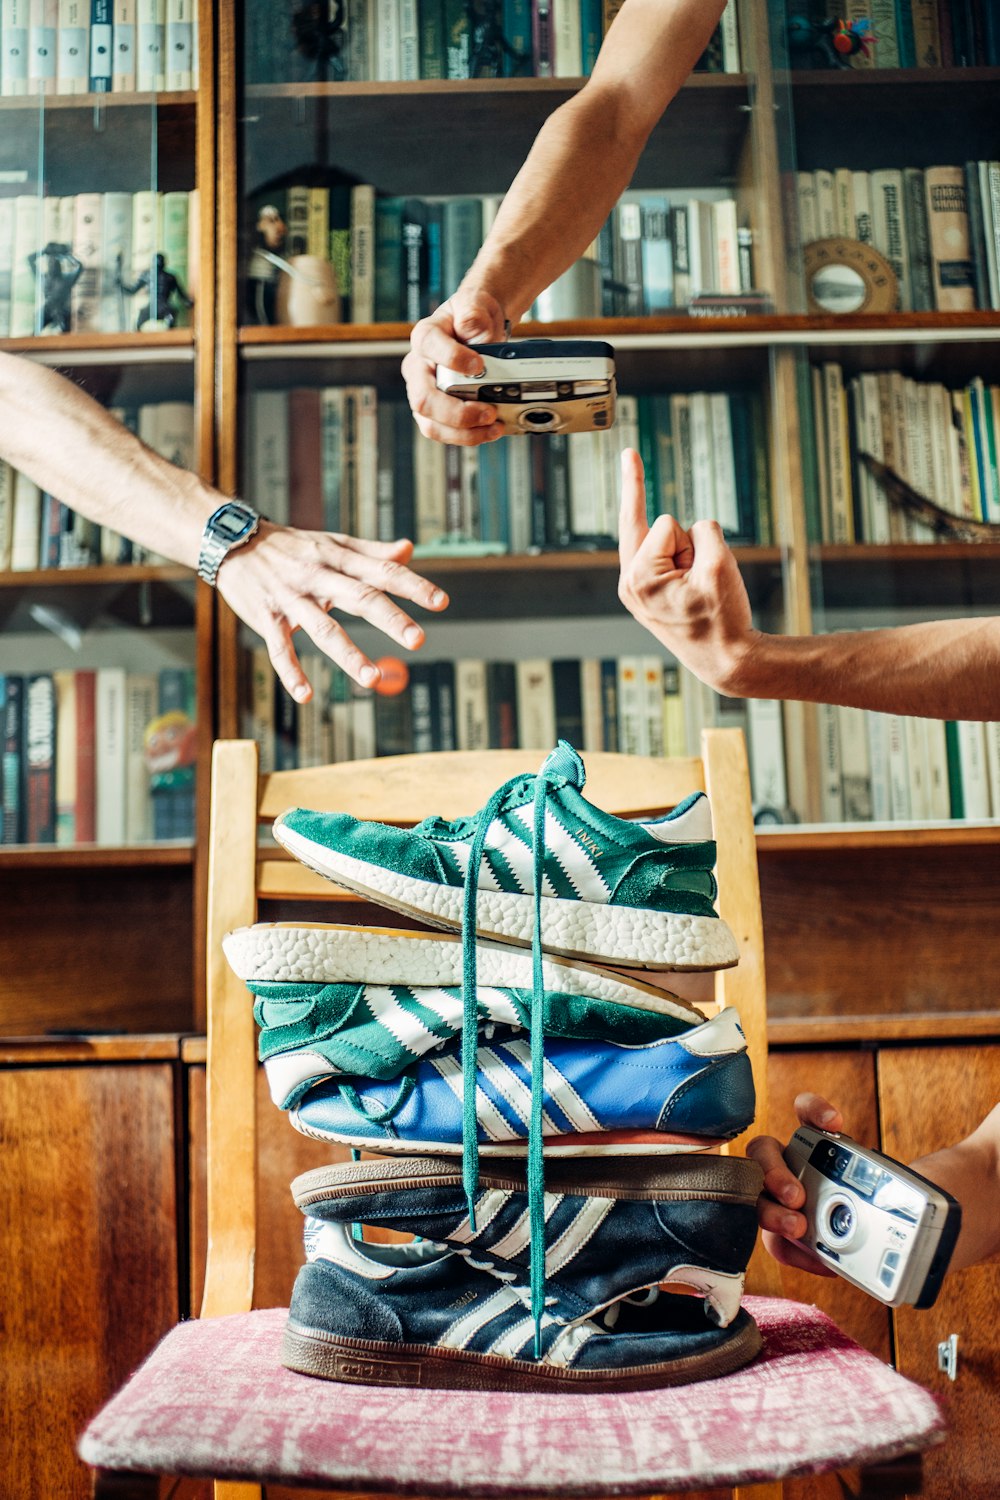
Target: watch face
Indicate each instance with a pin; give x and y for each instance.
(232, 522)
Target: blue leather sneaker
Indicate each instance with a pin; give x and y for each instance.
(417, 1315)
(612, 1229)
(598, 1098)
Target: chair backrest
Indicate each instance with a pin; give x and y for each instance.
(403, 789)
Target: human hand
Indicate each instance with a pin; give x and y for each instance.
(443, 339)
(285, 580)
(683, 586)
(783, 1196)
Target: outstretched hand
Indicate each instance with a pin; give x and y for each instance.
(779, 1205)
(683, 586)
(286, 580)
(469, 317)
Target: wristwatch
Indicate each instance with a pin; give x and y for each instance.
(232, 525)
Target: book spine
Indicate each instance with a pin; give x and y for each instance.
(951, 251)
(567, 41)
(471, 705)
(886, 35)
(458, 39)
(73, 59)
(926, 33)
(141, 702)
(150, 49)
(918, 238)
(433, 52)
(123, 66)
(536, 719)
(984, 273)
(179, 59)
(541, 37)
(12, 712)
(110, 755)
(905, 35)
(40, 759)
(889, 228)
(363, 254)
(409, 40)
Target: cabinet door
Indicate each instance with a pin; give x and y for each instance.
(88, 1240)
(930, 1098)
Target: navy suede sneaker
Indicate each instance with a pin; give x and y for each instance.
(598, 1098)
(417, 1315)
(612, 1229)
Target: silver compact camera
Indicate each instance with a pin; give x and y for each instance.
(542, 385)
(878, 1224)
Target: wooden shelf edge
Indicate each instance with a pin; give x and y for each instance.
(825, 1030)
(463, 87)
(823, 837)
(91, 856)
(86, 343)
(836, 554)
(56, 1048)
(163, 99)
(102, 574)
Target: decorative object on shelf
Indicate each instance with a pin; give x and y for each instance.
(161, 286)
(60, 272)
(299, 290)
(846, 276)
(827, 44)
(318, 30)
(913, 503)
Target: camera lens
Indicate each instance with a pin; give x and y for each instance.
(540, 418)
(842, 1220)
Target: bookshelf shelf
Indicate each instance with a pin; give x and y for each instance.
(878, 122)
(171, 346)
(125, 573)
(932, 575)
(64, 104)
(427, 137)
(822, 837)
(95, 856)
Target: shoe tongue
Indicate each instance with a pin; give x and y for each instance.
(564, 761)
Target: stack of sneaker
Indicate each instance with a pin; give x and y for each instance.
(541, 1110)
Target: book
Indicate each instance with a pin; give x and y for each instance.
(471, 704)
(305, 474)
(567, 693)
(101, 51)
(43, 46)
(25, 526)
(501, 688)
(766, 749)
(150, 44)
(831, 787)
(123, 67)
(73, 55)
(633, 725)
(88, 249)
(109, 742)
(536, 720)
(889, 228)
(85, 713)
(950, 246)
(12, 819)
(362, 253)
(39, 788)
(567, 39)
(974, 770)
(918, 238)
(14, 23)
(141, 704)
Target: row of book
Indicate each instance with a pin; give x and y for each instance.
(99, 756)
(943, 443)
(338, 458)
(97, 46)
(891, 768)
(396, 259)
(639, 705)
(923, 33)
(938, 227)
(406, 40)
(86, 263)
(39, 531)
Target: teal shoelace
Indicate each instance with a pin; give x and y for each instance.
(470, 1036)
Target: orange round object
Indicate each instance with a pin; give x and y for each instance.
(395, 676)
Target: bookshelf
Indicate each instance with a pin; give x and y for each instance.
(117, 947)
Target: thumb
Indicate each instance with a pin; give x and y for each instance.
(478, 317)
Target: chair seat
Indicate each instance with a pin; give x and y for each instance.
(213, 1399)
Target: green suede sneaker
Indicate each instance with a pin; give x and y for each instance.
(628, 893)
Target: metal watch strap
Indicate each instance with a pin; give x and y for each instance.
(215, 548)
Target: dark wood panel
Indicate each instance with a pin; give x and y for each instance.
(88, 1239)
(880, 932)
(108, 950)
(847, 1079)
(931, 1098)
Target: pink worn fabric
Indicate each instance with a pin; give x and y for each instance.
(213, 1400)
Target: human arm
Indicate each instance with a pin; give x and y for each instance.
(581, 162)
(969, 1171)
(281, 581)
(685, 588)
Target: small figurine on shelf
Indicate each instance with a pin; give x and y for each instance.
(160, 285)
(60, 272)
(318, 29)
(827, 44)
(266, 265)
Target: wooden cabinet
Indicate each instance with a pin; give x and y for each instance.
(88, 1240)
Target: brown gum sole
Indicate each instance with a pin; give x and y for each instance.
(361, 1362)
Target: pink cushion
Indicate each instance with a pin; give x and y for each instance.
(213, 1399)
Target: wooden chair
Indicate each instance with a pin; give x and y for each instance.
(209, 1400)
